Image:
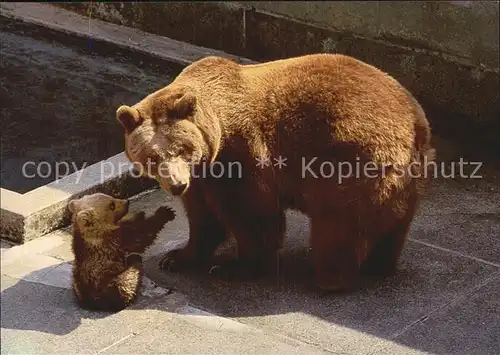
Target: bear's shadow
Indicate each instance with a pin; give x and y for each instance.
(289, 289)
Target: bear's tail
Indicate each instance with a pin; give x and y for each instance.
(424, 153)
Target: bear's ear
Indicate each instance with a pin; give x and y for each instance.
(85, 219)
(182, 107)
(128, 117)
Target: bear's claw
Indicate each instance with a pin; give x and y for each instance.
(177, 260)
(167, 264)
(214, 268)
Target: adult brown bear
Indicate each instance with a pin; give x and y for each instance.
(318, 112)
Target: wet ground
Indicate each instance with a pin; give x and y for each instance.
(59, 95)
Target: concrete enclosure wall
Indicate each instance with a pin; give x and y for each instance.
(465, 29)
(446, 53)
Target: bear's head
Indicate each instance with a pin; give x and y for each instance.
(167, 133)
(97, 212)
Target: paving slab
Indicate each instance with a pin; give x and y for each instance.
(59, 276)
(461, 220)
(471, 326)
(7, 281)
(43, 319)
(37, 307)
(37, 246)
(352, 323)
(32, 267)
(63, 251)
(202, 333)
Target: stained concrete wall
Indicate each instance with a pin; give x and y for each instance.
(446, 53)
(466, 29)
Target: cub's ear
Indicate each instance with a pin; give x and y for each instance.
(182, 106)
(85, 219)
(72, 205)
(128, 117)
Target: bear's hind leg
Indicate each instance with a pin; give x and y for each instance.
(335, 245)
(384, 256)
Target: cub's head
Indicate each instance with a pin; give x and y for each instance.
(97, 212)
(167, 133)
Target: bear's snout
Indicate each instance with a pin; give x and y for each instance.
(174, 176)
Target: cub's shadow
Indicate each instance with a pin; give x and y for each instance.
(27, 305)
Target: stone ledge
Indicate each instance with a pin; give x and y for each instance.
(136, 40)
(43, 210)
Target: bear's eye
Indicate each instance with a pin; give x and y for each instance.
(112, 206)
(182, 151)
(153, 162)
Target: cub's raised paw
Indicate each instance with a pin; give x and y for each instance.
(133, 259)
(139, 216)
(165, 213)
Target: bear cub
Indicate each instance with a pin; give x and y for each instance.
(108, 245)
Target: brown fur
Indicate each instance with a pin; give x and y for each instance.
(107, 269)
(326, 106)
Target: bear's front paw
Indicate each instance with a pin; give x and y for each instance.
(235, 269)
(134, 259)
(214, 269)
(165, 213)
(225, 270)
(176, 260)
(167, 263)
